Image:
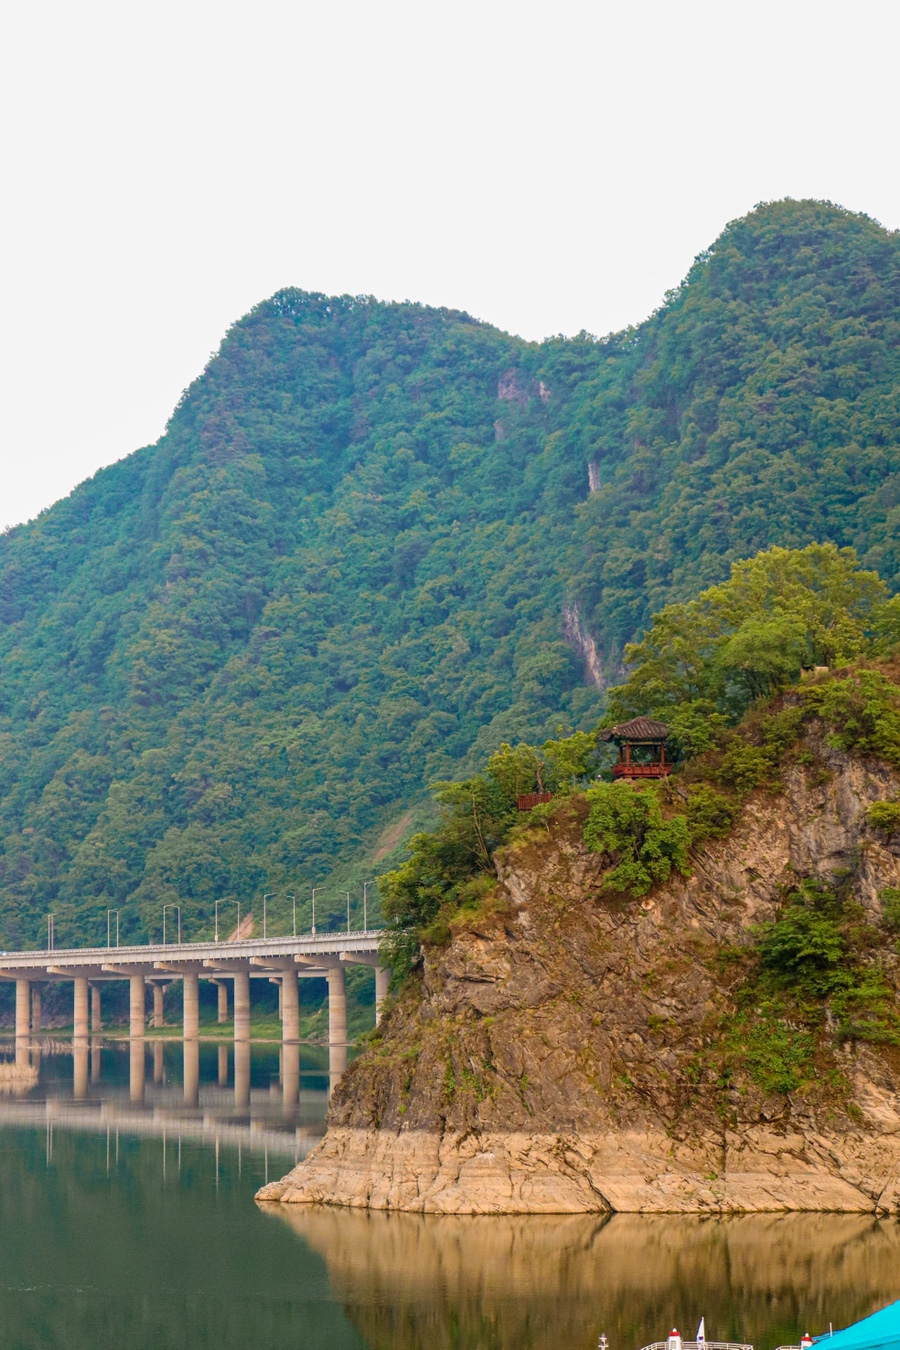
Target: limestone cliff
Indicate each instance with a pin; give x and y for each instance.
(559, 1055)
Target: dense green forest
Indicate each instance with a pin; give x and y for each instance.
(378, 540)
(709, 667)
(795, 655)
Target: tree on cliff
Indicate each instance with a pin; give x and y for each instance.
(702, 664)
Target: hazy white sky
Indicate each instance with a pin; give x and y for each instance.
(548, 167)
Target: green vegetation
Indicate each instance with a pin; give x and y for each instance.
(702, 664)
(885, 816)
(710, 815)
(816, 981)
(863, 711)
(646, 831)
(890, 908)
(629, 825)
(364, 556)
(759, 406)
(804, 948)
(451, 869)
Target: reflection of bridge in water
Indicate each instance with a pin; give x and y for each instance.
(282, 959)
(160, 1093)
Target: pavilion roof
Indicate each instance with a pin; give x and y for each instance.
(638, 729)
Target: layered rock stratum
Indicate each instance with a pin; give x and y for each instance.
(558, 1055)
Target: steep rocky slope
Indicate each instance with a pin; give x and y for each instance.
(564, 1053)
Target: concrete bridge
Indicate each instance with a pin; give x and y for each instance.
(283, 960)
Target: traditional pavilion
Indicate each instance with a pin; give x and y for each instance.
(642, 748)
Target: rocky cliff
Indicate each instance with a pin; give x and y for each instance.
(563, 1052)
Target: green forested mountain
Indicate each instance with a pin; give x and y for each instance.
(365, 550)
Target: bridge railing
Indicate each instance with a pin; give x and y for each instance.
(239, 945)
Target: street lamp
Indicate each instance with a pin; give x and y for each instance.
(273, 894)
(347, 893)
(228, 902)
(315, 888)
(293, 900)
(172, 905)
(51, 932)
(110, 912)
(366, 886)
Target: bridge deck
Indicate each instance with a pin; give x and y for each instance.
(47, 963)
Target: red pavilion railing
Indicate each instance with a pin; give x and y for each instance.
(641, 770)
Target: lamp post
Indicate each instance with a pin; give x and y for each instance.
(109, 913)
(347, 893)
(51, 932)
(366, 886)
(315, 888)
(293, 900)
(172, 905)
(228, 902)
(266, 897)
(216, 908)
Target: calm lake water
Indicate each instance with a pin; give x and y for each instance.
(127, 1221)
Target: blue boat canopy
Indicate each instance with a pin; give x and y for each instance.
(882, 1329)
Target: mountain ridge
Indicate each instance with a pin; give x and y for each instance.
(230, 661)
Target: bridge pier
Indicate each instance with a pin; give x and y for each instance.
(290, 1077)
(136, 1069)
(337, 1024)
(242, 1074)
(382, 983)
(290, 1007)
(190, 986)
(80, 1027)
(23, 1009)
(382, 977)
(35, 1008)
(192, 1072)
(96, 1012)
(137, 1011)
(241, 1007)
(222, 996)
(159, 994)
(159, 1061)
(80, 1070)
(223, 1066)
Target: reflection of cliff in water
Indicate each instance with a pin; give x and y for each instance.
(554, 1283)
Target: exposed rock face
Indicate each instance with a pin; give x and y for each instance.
(550, 1064)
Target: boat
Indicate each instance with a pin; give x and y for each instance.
(879, 1331)
(675, 1341)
